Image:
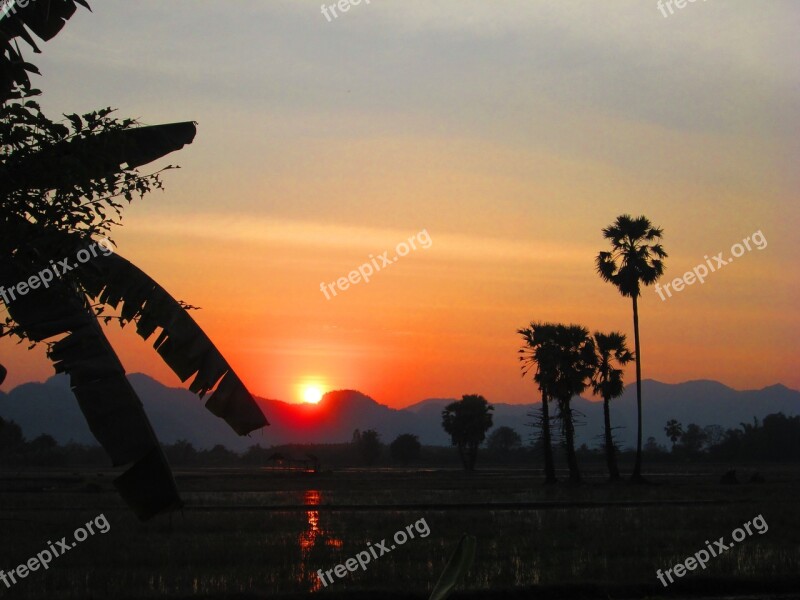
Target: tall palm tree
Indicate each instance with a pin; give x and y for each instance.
(539, 353)
(611, 353)
(58, 184)
(576, 365)
(636, 258)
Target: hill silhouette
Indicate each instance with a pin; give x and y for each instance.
(50, 408)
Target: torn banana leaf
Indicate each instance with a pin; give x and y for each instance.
(185, 348)
(113, 411)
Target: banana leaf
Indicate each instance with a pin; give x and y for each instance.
(185, 348)
(79, 160)
(45, 18)
(113, 411)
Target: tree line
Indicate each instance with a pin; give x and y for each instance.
(775, 439)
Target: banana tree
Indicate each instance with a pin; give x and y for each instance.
(61, 187)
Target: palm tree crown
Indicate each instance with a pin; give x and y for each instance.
(636, 257)
(611, 350)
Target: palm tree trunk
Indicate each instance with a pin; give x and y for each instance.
(549, 465)
(463, 456)
(611, 457)
(472, 455)
(637, 468)
(569, 441)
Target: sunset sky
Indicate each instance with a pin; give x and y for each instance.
(511, 132)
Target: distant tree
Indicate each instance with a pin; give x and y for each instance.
(607, 381)
(715, 434)
(467, 422)
(503, 440)
(218, 455)
(43, 450)
(636, 258)
(43, 443)
(369, 446)
(653, 447)
(779, 438)
(356, 437)
(256, 455)
(405, 448)
(674, 431)
(181, 453)
(776, 439)
(693, 439)
(11, 438)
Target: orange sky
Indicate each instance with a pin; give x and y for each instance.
(512, 137)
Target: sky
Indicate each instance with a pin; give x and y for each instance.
(507, 134)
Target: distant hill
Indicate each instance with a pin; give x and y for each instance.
(178, 414)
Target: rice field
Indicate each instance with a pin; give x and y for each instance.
(255, 533)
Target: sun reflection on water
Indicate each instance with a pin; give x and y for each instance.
(314, 536)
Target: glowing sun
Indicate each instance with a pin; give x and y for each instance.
(312, 393)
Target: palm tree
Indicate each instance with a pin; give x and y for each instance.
(58, 184)
(636, 258)
(674, 431)
(467, 422)
(576, 365)
(539, 352)
(611, 353)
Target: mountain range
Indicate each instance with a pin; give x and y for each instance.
(176, 414)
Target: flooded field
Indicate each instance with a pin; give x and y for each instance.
(261, 533)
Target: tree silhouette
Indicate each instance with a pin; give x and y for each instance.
(467, 422)
(503, 440)
(62, 187)
(369, 446)
(636, 258)
(11, 439)
(405, 448)
(674, 431)
(540, 354)
(576, 365)
(607, 381)
(693, 439)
